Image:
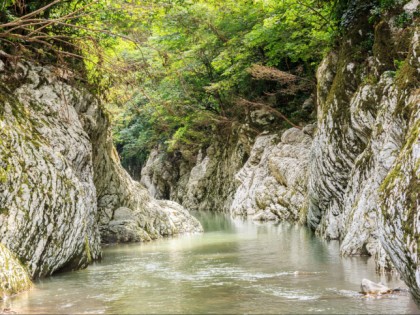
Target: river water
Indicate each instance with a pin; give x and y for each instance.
(236, 266)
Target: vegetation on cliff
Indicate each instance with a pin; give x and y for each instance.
(176, 72)
(209, 62)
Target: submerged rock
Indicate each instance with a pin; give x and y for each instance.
(370, 287)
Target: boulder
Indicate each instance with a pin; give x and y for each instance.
(370, 287)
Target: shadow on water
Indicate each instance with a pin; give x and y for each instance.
(236, 266)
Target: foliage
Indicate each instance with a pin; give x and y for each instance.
(383, 7)
(179, 71)
(76, 35)
(196, 68)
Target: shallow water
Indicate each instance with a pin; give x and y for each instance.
(234, 267)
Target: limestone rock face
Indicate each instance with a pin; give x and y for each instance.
(399, 193)
(273, 180)
(127, 212)
(208, 183)
(264, 177)
(47, 194)
(62, 188)
(364, 172)
(13, 276)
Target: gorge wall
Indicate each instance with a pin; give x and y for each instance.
(62, 189)
(356, 178)
(365, 152)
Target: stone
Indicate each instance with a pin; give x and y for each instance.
(262, 117)
(265, 216)
(273, 180)
(14, 278)
(206, 183)
(370, 287)
(363, 177)
(412, 6)
(309, 104)
(309, 129)
(47, 194)
(123, 213)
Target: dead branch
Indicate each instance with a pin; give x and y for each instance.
(261, 72)
(247, 103)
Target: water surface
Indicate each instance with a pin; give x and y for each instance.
(236, 266)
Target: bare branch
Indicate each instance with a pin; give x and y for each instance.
(244, 102)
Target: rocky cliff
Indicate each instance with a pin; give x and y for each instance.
(272, 183)
(262, 176)
(364, 172)
(61, 186)
(207, 183)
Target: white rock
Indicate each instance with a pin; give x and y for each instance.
(370, 287)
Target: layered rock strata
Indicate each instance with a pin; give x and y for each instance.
(62, 189)
(208, 183)
(273, 180)
(364, 184)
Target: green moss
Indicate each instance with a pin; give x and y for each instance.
(87, 250)
(3, 176)
(383, 49)
(397, 177)
(403, 42)
(370, 79)
(346, 81)
(15, 275)
(389, 180)
(406, 76)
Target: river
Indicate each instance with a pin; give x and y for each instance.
(236, 266)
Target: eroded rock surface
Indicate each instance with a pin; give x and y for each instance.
(14, 277)
(273, 180)
(364, 171)
(61, 185)
(127, 212)
(47, 194)
(208, 182)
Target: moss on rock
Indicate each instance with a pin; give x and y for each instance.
(14, 277)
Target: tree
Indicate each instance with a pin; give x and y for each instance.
(197, 77)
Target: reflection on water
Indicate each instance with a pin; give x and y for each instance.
(234, 267)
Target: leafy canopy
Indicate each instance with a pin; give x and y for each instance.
(195, 57)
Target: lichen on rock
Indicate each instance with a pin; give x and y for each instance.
(14, 278)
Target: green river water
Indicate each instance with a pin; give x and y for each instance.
(236, 266)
